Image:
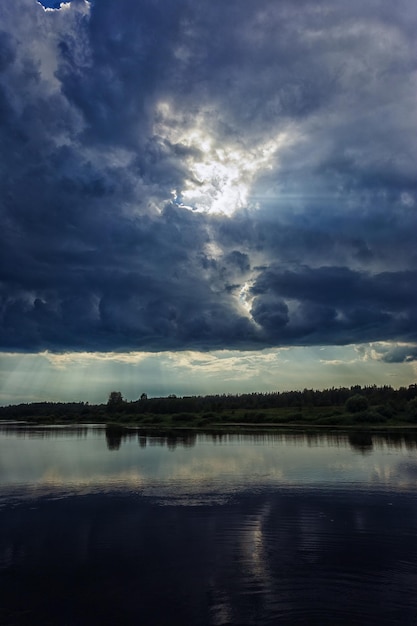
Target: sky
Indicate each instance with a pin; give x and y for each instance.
(200, 196)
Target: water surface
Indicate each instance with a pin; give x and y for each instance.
(102, 527)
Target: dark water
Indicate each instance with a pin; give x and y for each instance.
(286, 528)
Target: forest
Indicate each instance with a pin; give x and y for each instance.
(355, 405)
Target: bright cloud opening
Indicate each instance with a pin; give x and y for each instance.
(220, 175)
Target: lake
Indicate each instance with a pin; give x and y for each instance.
(106, 527)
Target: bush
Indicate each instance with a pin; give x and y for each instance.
(356, 404)
(386, 411)
(412, 410)
(368, 417)
(182, 417)
(252, 417)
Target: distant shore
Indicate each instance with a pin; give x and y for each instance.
(354, 407)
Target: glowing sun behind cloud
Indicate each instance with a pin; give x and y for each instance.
(220, 175)
(221, 180)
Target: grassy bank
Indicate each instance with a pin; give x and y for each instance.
(308, 417)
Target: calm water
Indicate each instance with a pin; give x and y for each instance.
(283, 528)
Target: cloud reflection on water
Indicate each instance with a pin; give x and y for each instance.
(190, 467)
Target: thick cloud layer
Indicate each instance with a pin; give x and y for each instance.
(206, 174)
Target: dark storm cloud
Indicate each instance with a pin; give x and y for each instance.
(96, 101)
(396, 353)
(337, 305)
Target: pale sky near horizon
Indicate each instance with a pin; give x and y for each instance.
(199, 196)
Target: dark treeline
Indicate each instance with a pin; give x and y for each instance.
(273, 400)
(389, 400)
(42, 409)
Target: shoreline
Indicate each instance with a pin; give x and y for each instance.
(228, 427)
